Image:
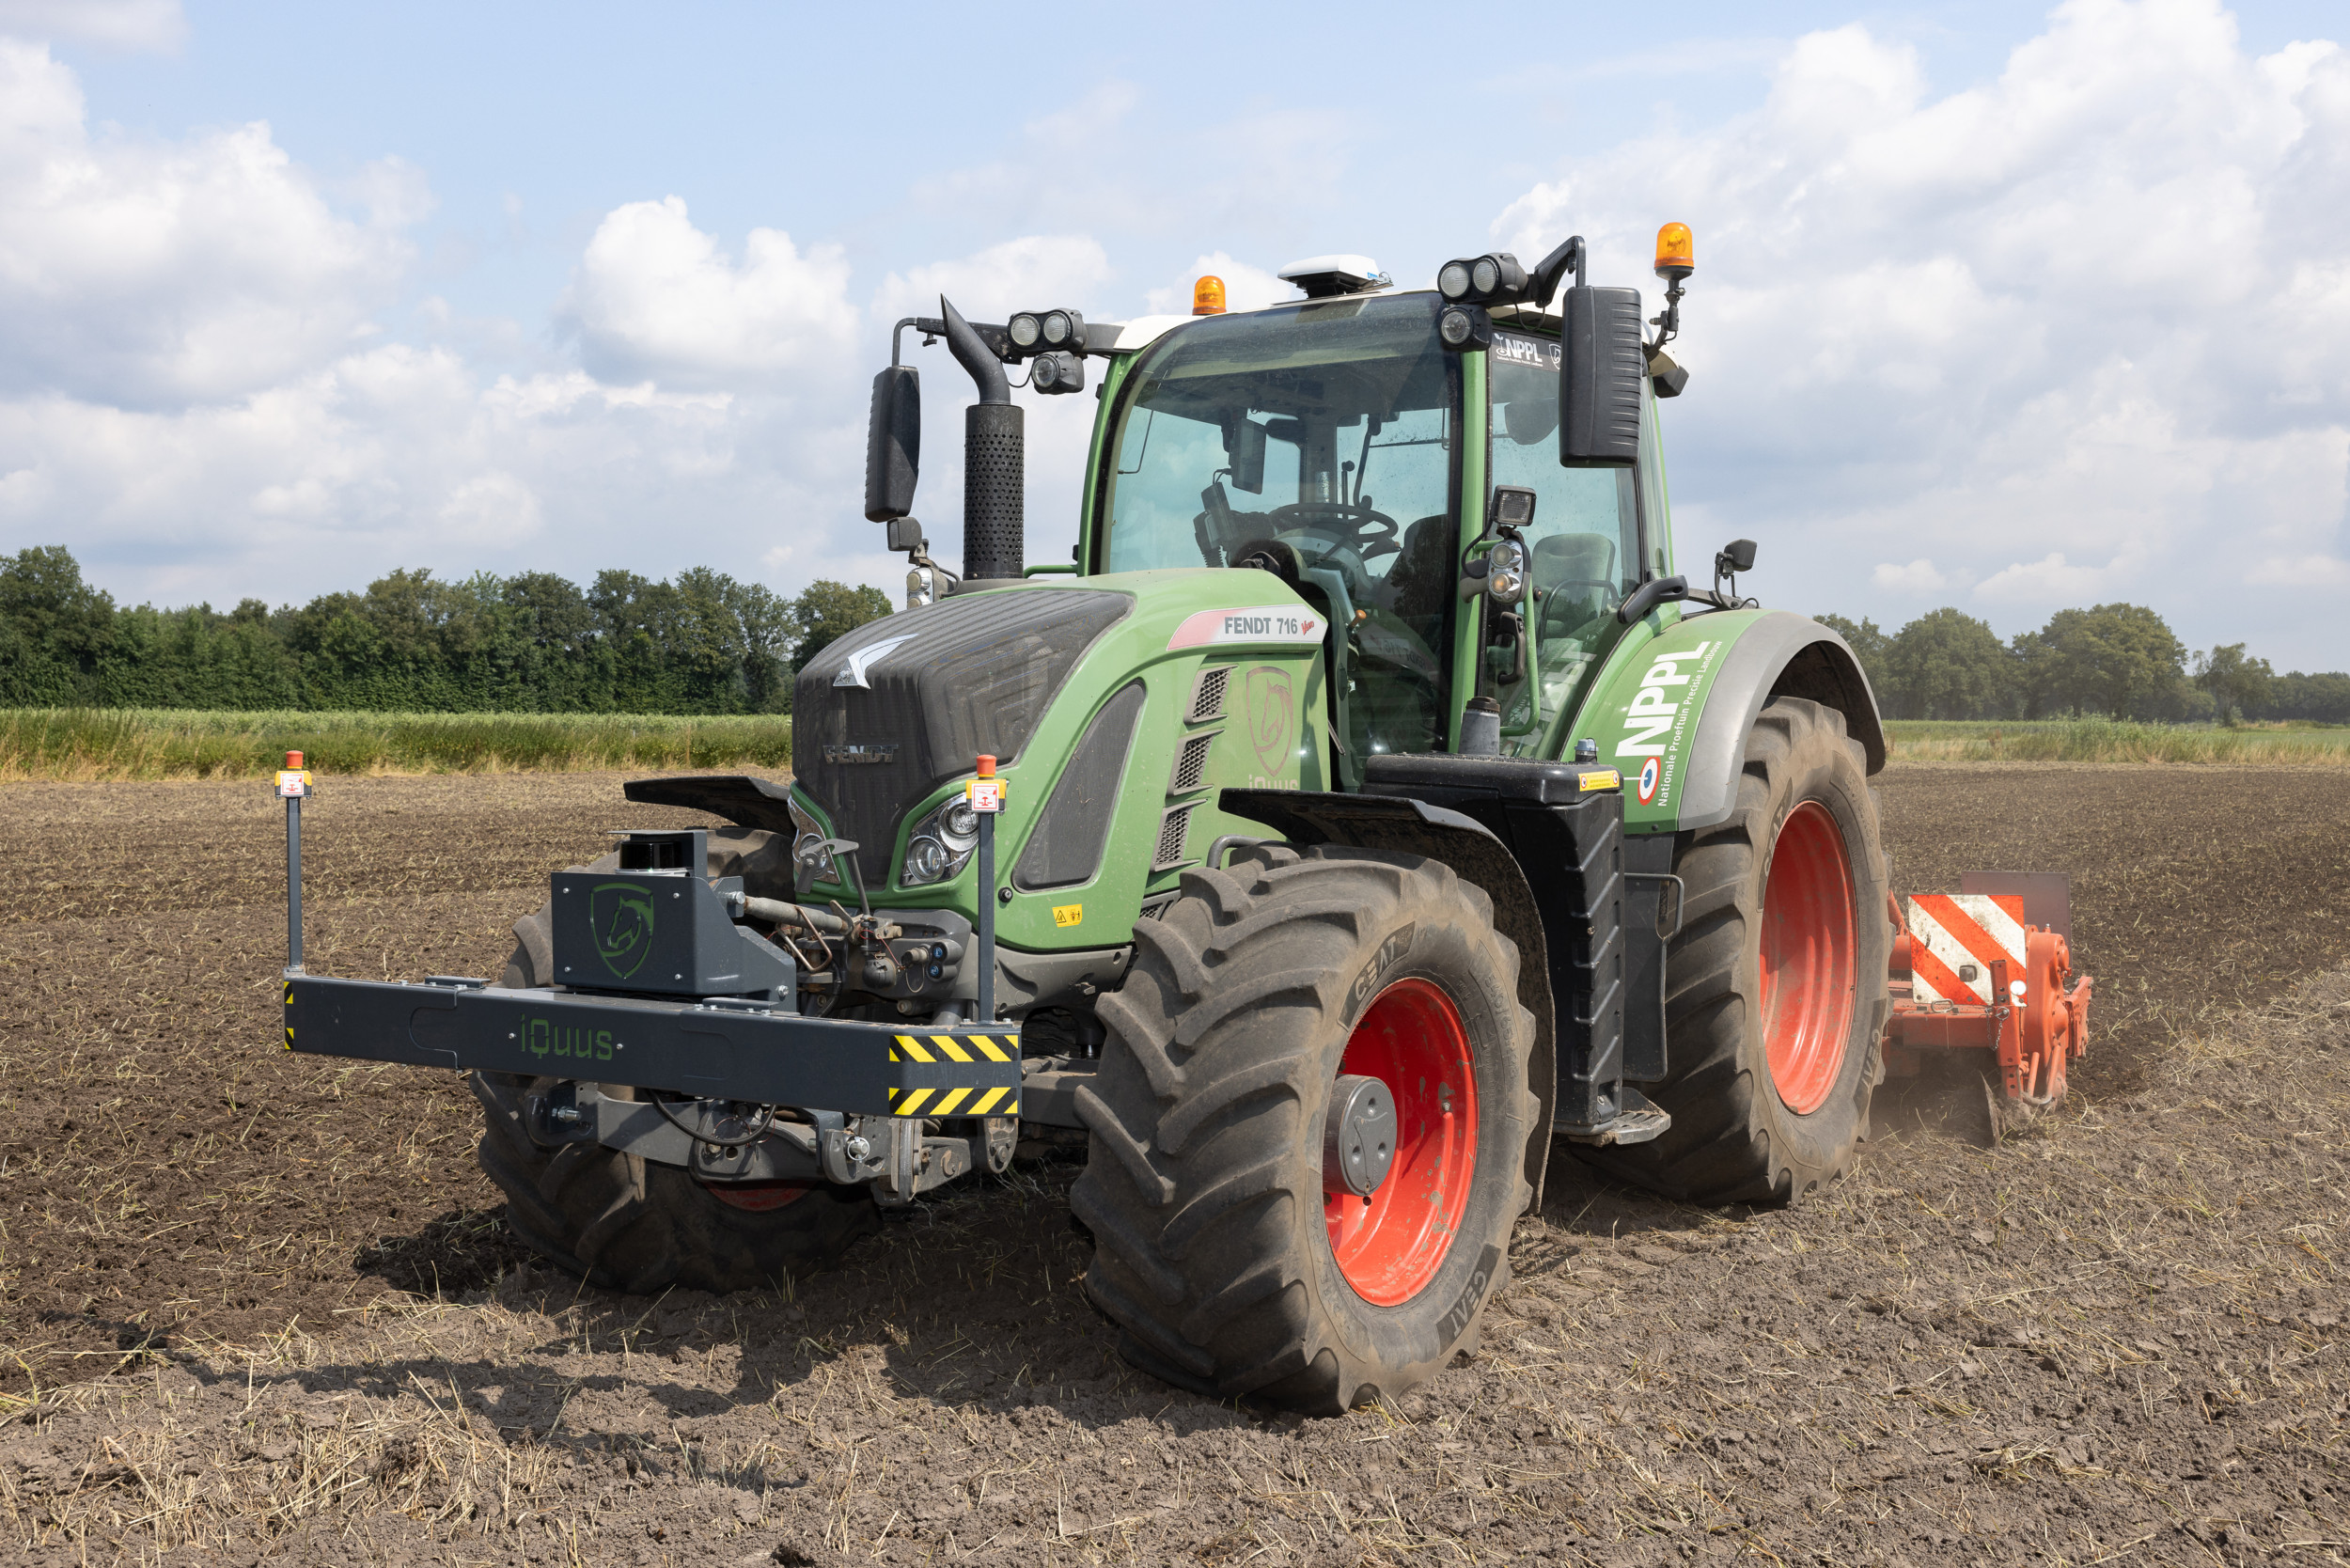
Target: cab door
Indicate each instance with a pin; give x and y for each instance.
(1593, 538)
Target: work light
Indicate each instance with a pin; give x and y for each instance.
(1063, 329)
(1025, 330)
(1462, 327)
(1059, 372)
(1495, 279)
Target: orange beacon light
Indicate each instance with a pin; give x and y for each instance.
(1207, 296)
(1676, 252)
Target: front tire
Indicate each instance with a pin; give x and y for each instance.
(1217, 1249)
(625, 1223)
(1775, 998)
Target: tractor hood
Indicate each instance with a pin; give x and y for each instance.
(900, 706)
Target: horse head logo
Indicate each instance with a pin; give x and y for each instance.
(622, 916)
(1271, 709)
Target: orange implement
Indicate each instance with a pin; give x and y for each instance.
(1972, 971)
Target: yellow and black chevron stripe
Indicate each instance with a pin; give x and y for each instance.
(289, 1015)
(943, 1048)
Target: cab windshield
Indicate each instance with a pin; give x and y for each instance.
(1319, 437)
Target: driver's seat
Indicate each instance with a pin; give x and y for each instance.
(1577, 575)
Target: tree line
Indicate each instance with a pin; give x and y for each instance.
(703, 643)
(2121, 661)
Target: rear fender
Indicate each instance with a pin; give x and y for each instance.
(1675, 717)
(1414, 827)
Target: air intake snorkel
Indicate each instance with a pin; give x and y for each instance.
(994, 460)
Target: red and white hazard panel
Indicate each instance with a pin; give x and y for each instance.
(1956, 937)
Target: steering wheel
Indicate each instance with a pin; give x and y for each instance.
(1375, 532)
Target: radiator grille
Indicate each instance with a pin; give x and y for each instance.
(1173, 829)
(1207, 695)
(1191, 764)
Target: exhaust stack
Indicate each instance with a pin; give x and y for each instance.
(995, 461)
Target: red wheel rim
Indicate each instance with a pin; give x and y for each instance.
(758, 1197)
(1809, 942)
(1390, 1245)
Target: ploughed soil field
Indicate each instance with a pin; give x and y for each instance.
(257, 1307)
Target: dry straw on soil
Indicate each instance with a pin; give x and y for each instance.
(2115, 1335)
(2103, 740)
(88, 744)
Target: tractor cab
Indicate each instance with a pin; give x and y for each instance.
(1344, 446)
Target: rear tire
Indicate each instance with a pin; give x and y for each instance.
(621, 1222)
(1216, 1249)
(1775, 998)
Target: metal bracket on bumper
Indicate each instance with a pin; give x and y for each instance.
(731, 1053)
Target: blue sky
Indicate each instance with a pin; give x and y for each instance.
(1997, 306)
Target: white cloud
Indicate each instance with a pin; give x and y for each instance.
(2048, 580)
(2085, 325)
(198, 396)
(205, 403)
(145, 273)
(1036, 271)
(1918, 578)
(654, 298)
(124, 25)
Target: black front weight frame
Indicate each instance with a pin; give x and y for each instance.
(743, 1053)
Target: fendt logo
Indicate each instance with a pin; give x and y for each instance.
(622, 914)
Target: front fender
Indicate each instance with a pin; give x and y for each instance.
(1675, 717)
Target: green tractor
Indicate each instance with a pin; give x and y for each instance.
(1378, 808)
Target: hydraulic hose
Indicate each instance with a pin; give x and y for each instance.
(777, 913)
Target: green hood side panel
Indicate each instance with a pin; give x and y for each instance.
(1272, 734)
(1644, 707)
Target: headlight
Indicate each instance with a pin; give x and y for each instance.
(1453, 281)
(807, 834)
(1024, 330)
(926, 860)
(941, 844)
(1505, 580)
(1486, 276)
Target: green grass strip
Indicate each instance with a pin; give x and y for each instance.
(133, 743)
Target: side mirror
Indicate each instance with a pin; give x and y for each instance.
(1245, 447)
(1599, 379)
(893, 444)
(1729, 560)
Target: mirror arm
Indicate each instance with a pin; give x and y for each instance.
(930, 327)
(1655, 591)
(1543, 286)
